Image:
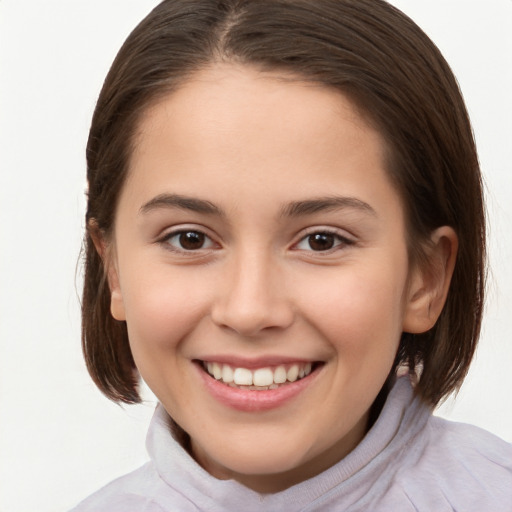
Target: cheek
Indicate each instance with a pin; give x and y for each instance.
(162, 309)
(162, 306)
(359, 310)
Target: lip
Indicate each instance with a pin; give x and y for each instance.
(255, 401)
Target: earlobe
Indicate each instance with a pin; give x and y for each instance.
(117, 305)
(430, 282)
(106, 254)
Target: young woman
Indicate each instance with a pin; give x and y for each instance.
(284, 215)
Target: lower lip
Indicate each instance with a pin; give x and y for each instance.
(252, 400)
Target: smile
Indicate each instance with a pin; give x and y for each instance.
(260, 379)
(263, 387)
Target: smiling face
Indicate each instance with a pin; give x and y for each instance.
(258, 240)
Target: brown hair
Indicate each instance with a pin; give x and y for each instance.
(368, 50)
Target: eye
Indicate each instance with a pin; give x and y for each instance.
(188, 240)
(322, 241)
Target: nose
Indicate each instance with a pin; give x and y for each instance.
(252, 298)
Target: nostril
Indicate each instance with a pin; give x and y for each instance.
(251, 320)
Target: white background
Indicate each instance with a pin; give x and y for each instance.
(60, 439)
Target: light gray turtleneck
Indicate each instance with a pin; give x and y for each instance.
(408, 461)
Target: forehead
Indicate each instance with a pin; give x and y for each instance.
(256, 133)
(235, 99)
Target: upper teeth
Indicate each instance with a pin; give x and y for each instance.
(262, 377)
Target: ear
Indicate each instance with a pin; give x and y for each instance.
(107, 255)
(429, 282)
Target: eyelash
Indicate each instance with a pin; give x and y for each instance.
(337, 240)
(166, 240)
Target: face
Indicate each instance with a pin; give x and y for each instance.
(260, 262)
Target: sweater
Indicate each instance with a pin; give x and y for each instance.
(409, 460)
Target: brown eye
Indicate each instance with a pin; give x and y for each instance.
(191, 240)
(188, 241)
(321, 241)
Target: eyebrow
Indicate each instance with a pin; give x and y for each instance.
(293, 209)
(321, 204)
(181, 202)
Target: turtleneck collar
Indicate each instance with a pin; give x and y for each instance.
(349, 481)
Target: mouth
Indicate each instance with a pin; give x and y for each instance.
(259, 379)
(257, 386)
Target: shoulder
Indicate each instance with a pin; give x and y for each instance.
(470, 440)
(141, 490)
(455, 466)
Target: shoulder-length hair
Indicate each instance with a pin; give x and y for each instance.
(369, 51)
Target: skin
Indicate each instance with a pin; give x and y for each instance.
(251, 144)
